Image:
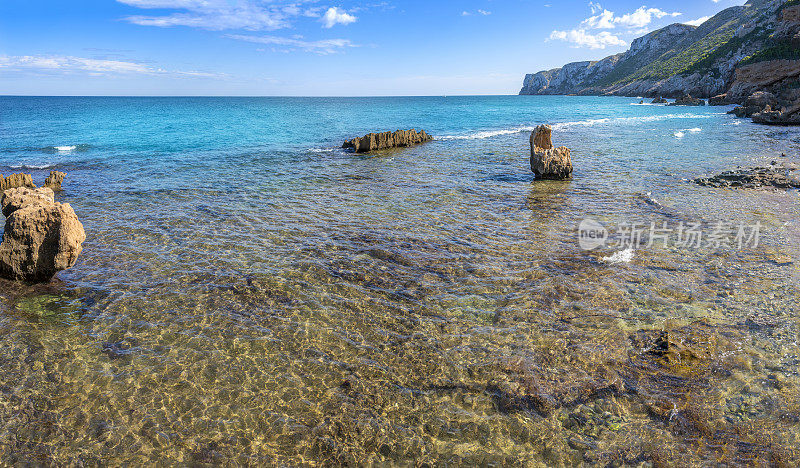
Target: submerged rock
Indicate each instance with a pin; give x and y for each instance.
(54, 180)
(386, 140)
(41, 237)
(688, 100)
(753, 178)
(548, 162)
(16, 180)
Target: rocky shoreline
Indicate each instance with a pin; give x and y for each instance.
(760, 55)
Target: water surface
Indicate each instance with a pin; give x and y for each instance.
(251, 294)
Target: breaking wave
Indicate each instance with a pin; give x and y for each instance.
(578, 123)
(65, 148)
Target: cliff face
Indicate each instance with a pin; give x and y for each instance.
(680, 59)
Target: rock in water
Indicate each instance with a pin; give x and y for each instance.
(41, 237)
(775, 176)
(54, 180)
(386, 140)
(548, 162)
(16, 180)
(778, 117)
(718, 100)
(18, 198)
(659, 100)
(688, 100)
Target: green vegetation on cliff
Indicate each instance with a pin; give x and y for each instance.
(735, 36)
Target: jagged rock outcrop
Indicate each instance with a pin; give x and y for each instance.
(688, 100)
(548, 162)
(15, 199)
(761, 76)
(54, 180)
(754, 104)
(41, 237)
(678, 59)
(659, 100)
(785, 116)
(386, 140)
(718, 100)
(775, 176)
(16, 180)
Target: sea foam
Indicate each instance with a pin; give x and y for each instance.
(623, 256)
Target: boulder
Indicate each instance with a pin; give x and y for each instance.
(21, 197)
(16, 180)
(54, 180)
(387, 140)
(41, 237)
(548, 162)
(761, 99)
(659, 100)
(745, 111)
(778, 117)
(719, 100)
(688, 100)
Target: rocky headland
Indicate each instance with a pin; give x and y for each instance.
(387, 140)
(740, 51)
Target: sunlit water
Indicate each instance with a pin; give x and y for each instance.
(250, 294)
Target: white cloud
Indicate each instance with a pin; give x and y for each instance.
(70, 64)
(582, 38)
(325, 46)
(630, 23)
(480, 12)
(641, 17)
(698, 21)
(335, 16)
(221, 14)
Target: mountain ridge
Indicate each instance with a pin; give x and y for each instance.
(680, 59)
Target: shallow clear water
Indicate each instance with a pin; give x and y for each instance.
(250, 294)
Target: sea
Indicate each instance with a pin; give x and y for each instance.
(251, 294)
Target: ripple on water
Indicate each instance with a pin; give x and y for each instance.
(384, 310)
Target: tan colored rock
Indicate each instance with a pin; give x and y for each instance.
(54, 180)
(718, 100)
(760, 76)
(548, 162)
(386, 140)
(17, 198)
(542, 137)
(41, 237)
(787, 116)
(16, 180)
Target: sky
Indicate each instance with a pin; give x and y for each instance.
(312, 47)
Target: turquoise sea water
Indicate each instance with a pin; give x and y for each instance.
(249, 293)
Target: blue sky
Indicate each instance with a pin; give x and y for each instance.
(312, 47)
